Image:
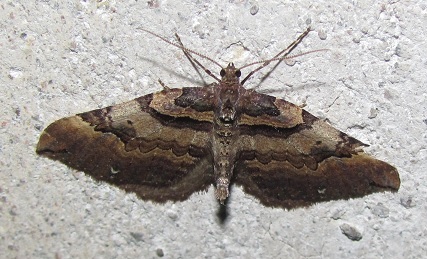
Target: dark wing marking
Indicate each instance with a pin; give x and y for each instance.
(290, 161)
(280, 184)
(262, 109)
(140, 146)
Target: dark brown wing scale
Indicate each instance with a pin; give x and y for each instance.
(136, 146)
(301, 164)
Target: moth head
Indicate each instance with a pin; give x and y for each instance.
(230, 72)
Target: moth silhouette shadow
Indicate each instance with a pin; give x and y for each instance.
(223, 213)
(178, 75)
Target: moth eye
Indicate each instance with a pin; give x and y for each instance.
(222, 73)
(238, 73)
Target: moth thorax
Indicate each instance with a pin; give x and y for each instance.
(227, 115)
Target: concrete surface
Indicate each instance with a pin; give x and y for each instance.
(59, 58)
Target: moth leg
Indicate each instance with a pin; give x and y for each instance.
(165, 87)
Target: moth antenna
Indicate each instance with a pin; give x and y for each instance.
(282, 58)
(180, 47)
(282, 55)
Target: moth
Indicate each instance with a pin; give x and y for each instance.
(168, 145)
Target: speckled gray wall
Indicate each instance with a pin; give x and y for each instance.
(60, 58)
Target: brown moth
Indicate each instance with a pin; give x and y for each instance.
(167, 145)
